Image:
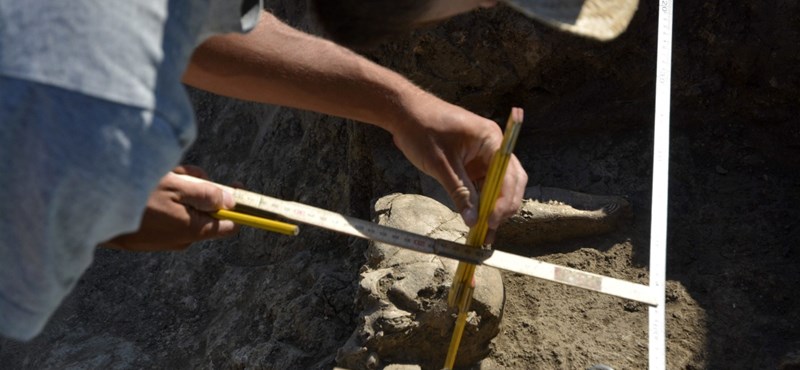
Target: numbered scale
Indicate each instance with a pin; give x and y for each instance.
(251, 202)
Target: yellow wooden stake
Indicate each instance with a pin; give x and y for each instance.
(460, 294)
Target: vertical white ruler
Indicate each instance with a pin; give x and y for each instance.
(658, 226)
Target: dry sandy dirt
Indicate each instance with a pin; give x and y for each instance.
(271, 302)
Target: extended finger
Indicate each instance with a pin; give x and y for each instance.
(203, 196)
(511, 194)
(206, 227)
(490, 235)
(462, 191)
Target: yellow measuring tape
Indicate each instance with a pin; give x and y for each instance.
(463, 282)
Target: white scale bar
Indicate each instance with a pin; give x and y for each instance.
(573, 277)
(368, 230)
(498, 259)
(334, 221)
(658, 227)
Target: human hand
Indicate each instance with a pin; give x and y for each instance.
(455, 147)
(177, 215)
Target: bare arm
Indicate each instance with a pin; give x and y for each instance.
(278, 64)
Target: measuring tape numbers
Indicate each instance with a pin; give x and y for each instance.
(333, 221)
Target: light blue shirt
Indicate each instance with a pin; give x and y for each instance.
(92, 115)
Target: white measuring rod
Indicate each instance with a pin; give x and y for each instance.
(658, 226)
(302, 213)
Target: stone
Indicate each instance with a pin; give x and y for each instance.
(402, 295)
(553, 215)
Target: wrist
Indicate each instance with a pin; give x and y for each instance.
(409, 110)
